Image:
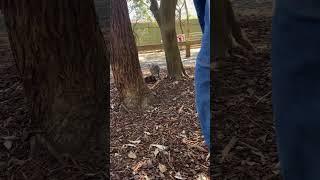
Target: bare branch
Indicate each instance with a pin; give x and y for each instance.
(154, 7)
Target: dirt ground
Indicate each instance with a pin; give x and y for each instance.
(162, 143)
(245, 144)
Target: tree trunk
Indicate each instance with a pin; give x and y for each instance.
(188, 53)
(227, 29)
(234, 25)
(180, 21)
(125, 61)
(221, 32)
(165, 17)
(62, 59)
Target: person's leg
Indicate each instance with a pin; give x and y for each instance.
(296, 87)
(202, 81)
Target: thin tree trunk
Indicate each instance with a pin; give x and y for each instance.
(188, 22)
(188, 53)
(222, 32)
(180, 21)
(125, 61)
(227, 28)
(165, 17)
(234, 25)
(62, 59)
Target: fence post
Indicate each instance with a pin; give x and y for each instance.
(188, 53)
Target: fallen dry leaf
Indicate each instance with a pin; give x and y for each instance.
(162, 168)
(132, 155)
(7, 144)
(202, 177)
(156, 152)
(146, 177)
(179, 176)
(160, 147)
(183, 134)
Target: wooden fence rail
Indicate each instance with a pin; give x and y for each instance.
(195, 41)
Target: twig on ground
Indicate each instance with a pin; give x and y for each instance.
(228, 147)
(264, 96)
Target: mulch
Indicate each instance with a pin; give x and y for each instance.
(15, 163)
(163, 142)
(245, 144)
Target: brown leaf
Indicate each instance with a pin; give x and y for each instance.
(7, 144)
(138, 166)
(132, 155)
(156, 152)
(146, 177)
(162, 168)
(202, 177)
(178, 176)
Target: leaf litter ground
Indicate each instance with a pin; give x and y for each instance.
(15, 163)
(245, 146)
(163, 142)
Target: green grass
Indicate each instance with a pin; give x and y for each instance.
(149, 33)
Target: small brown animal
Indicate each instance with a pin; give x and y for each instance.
(154, 70)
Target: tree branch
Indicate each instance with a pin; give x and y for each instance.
(154, 7)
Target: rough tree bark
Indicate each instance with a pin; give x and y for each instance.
(228, 29)
(63, 63)
(125, 61)
(165, 17)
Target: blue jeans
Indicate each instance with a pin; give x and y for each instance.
(296, 87)
(202, 73)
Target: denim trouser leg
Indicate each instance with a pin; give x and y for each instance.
(202, 85)
(202, 81)
(296, 87)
